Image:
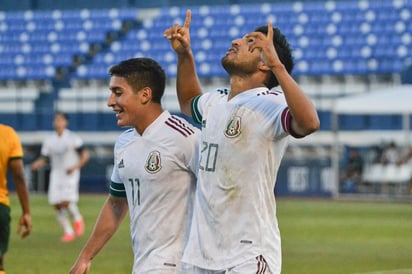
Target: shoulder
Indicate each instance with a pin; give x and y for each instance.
(275, 95)
(180, 126)
(9, 134)
(5, 129)
(211, 97)
(125, 137)
(217, 93)
(72, 134)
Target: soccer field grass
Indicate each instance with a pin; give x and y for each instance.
(318, 237)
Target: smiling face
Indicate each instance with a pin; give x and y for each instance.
(125, 102)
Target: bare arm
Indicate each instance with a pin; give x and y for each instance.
(187, 82)
(84, 158)
(17, 171)
(305, 119)
(109, 220)
(39, 163)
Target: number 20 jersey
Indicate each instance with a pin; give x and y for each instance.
(242, 143)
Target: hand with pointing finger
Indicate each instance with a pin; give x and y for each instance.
(178, 36)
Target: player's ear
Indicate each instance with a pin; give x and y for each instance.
(263, 67)
(145, 95)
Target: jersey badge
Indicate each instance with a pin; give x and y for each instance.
(153, 163)
(233, 127)
(120, 164)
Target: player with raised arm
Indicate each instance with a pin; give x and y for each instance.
(245, 132)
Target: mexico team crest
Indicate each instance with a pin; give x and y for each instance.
(233, 127)
(153, 163)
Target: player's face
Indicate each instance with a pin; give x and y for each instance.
(239, 59)
(60, 123)
(124, 102)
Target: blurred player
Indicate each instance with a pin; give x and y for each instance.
(11, 157)
(244, 135)
(154, 173)
(67, 156)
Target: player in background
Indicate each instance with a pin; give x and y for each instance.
(244, 135)
(11, 157)
(154, 173)
(67, 155)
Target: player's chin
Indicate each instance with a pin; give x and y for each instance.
(124, 122)
(120, 123)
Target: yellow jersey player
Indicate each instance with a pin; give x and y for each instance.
(11, 158)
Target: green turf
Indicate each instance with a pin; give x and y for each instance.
(318, 236)
(43, 253)
(330, 237)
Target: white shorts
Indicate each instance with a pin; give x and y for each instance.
(256, 265)
(63, 187)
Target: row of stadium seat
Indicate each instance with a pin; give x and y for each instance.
(356, 37)
(328, 38)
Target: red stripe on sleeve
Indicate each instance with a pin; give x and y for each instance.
(286, 120)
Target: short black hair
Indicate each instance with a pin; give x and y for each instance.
(62, 114)
(283, 50)
(140, 73)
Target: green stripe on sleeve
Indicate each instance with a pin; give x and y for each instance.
(117, 190)
(196, 116)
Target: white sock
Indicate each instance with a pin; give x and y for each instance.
(74, 211)
(63, 219)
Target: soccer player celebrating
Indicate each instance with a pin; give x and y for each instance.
(155, 162)
(244, 135)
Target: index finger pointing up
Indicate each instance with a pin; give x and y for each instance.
(270, 30)
(188, 18)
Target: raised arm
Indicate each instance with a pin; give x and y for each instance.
(305, 119)
(109, 220)
(187, 82)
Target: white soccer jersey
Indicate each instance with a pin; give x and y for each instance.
(242, 143)
(63, 154)
(157, 171)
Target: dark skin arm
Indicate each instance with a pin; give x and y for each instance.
(108, 222)
(187, 82)
(305, 118)
(17, 171)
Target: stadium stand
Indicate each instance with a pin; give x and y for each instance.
(54, 55)
(335, 38)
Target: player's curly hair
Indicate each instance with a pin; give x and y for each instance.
(283, 50)
(140, 73)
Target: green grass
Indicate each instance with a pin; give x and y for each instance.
(331, 237)
(43, 253)
(318, 236)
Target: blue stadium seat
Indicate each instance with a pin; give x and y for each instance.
(385, 122)
(214, 27)
(352, 122)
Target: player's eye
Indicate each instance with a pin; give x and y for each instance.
(250, 40)
(116, 92)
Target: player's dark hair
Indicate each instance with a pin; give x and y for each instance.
(283, 50)
(140, 73)
(62, 114)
